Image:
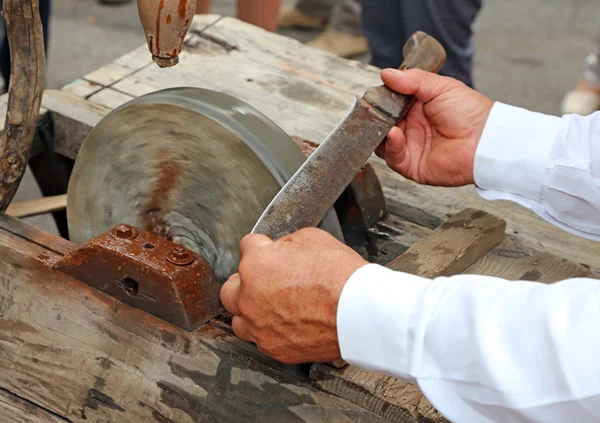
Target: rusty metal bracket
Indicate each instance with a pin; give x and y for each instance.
(147, 272)
(361, 205)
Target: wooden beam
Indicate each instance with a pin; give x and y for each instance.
(464, 239)
(37, 206)
(85, 356)
(18, 410)
(454, 246)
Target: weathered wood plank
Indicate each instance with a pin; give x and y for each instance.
(110, 98)
(73, 118)
(308, 93)
(37, 206)
(454, 246)
(512, 261)
(450, 249)
(17, 410)
(33, 235)
(464, 239)
(85, 356)
(82, 88)
(390, 398)
(528, 229)
(255, 65)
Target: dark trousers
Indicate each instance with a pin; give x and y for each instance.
(389, 23)
(4, 50)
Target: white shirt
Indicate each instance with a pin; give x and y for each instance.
(484, 349)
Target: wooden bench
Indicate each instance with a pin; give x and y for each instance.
(71, 353)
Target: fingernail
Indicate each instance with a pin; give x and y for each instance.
(395, 72)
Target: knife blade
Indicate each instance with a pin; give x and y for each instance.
(313, 189)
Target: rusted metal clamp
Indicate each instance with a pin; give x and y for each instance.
(149, 273)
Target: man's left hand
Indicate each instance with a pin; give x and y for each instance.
(285, 296)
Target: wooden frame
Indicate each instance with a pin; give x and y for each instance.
(70, 353)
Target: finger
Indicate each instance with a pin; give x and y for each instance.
(249, 242)
(395, 149)
(230, 294)
(425, 86)
(380, 150)
(242, 329)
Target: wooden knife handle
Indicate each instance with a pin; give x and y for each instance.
(421, 51)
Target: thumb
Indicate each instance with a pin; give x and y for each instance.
(425, 86)
(252, 241)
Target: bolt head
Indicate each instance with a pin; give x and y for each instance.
(180, 256)
(124, 231)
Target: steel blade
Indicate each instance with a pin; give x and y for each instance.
(314, 188)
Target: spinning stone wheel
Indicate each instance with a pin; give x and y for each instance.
(197, 167)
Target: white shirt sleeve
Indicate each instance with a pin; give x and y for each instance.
(484, 349)
(546, 163)
(481, 349)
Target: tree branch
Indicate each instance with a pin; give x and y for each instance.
(26, 39)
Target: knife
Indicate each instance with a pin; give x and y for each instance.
(311, 192)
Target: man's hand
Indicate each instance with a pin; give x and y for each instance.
(285, 296)
(436, 143)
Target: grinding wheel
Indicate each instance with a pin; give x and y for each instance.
(197, 167)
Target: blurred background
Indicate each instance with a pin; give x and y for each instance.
(528, 52)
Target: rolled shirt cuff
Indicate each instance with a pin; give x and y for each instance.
(367, 336)
(514, 150)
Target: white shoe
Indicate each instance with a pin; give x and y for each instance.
(340, 43)
(583, 100)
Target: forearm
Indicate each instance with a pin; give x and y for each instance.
(546, 163)
(479, 347)
(262, 13)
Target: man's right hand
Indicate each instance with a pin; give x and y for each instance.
(436, 143)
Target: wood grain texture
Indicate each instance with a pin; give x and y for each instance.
(24, 32)
(448, 250)
(453, 247)
(17, 410)
(37, 206)
(390, 398)
(511, 260)
(462, 240)
(87, 357)
(34, 236)
(308, 93)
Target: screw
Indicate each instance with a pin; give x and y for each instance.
(180, 256)
(124, 231)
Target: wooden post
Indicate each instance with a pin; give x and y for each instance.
(26, 39)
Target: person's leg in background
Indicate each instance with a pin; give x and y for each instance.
(203, 6)
(343, 36)
(314, 14)
(389, 23)
(262, 13)
(584, 99)
(5, 50)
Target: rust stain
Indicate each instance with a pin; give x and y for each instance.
(161, 6)
(168, 19)
(213, 332)
(168, 176)
(151, 42)
(182, 8)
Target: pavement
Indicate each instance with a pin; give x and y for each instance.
(528, 52)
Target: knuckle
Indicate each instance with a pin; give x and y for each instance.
(246, 307)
